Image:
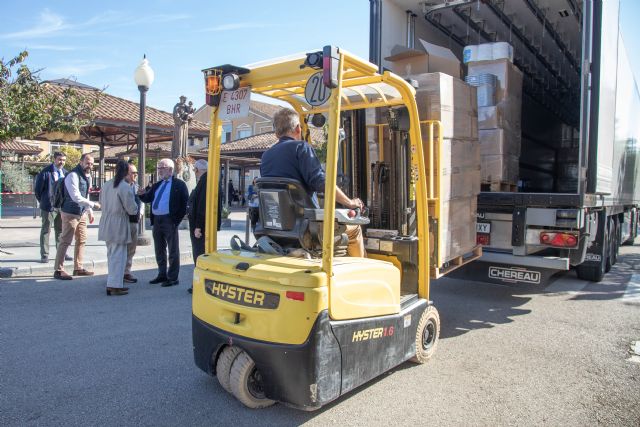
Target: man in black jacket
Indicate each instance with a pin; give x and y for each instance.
(198, 209)
(43, 190)
(168, 198)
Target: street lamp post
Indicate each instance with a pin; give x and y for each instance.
(143, 77)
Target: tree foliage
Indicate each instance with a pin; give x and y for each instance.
(27, 107)
(15, 177)
(73, 156)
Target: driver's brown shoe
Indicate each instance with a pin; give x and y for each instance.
(82, 272)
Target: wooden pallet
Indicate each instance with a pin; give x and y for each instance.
(457, 262)
(499, 187)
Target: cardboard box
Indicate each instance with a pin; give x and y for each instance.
(449, 100)
(509, 78)
(505, 115)
(500, 169)
(458, 226)
(430, 58)
(499, 142)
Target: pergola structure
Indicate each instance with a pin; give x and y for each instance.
(116, 124)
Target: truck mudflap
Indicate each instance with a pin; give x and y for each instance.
(505, 269)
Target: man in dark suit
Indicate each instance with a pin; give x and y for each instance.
(43, 189)
(168, 198)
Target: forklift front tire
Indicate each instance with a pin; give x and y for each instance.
(223, 366)
(427, 335)
(246, 383)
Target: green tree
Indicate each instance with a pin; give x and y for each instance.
(15, 177)
(73, 156)
(150, 165)
(28, 108)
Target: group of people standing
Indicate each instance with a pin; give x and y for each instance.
(122, 207)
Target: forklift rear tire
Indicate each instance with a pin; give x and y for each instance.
(223, 366)
(427, 335)
(246, 383)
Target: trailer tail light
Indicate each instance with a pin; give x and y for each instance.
(559, 240)
(296, 296)
(483, 239)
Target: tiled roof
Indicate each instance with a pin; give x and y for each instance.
(114, 109)
(259, 143)
(18, 147)
(113, 152)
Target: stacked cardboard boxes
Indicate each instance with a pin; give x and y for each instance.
(499, 125)
(452, 102)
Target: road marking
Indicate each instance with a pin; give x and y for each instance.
(635, 352)
(632, 292)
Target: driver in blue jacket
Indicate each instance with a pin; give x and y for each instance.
(291, 157)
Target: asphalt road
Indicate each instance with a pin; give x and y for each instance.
(508, 355)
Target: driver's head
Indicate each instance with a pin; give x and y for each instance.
(286, 122)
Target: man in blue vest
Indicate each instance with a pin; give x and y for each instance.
(168, 198)
(76, 209)
(43, 190)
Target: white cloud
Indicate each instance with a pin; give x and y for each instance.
(49, 24)
(76, 68)
(53, 47)
(234, 26)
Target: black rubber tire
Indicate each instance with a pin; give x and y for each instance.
(595, 273)
(427, 335)
(223, 366)
(609, 245)
(632, 230)
(590, 273)
(615, 245)
(246, 383)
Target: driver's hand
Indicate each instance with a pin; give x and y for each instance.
(356, 204)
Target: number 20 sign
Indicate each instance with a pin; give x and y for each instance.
(315, 92)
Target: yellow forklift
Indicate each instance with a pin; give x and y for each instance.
(276, 327)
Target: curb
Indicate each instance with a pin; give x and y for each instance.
(44, 270)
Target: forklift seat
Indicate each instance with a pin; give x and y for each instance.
(291, 217)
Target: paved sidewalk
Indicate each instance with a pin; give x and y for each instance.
(20, 246)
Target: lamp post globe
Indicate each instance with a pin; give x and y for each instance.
(143, 77)
(144, 74)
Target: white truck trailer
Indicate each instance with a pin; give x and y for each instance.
(577, 192)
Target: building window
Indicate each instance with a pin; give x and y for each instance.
(191, 142)
(244, 133)
(226, 133)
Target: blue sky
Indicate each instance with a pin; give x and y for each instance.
(101, 43)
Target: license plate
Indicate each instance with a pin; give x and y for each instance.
(483, 227)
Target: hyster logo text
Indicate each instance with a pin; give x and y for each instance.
(372, 334)
(241, 295)
(514, 275)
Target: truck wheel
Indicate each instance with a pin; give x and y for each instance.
(615, 244)
(427, 335)
(246, 383)
(223, 367)
(609, 246)
(632, 230)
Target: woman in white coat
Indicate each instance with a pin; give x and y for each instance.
(118, 202)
